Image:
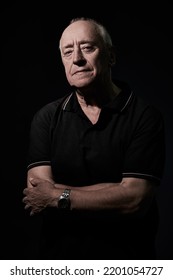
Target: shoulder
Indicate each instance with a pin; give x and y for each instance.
(147, 110)
(145, 117)
(137, 107)
(50, 109)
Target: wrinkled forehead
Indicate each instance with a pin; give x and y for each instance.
(80, 31)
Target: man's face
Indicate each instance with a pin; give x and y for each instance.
(84, 55)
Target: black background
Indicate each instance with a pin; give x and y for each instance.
(32, 75)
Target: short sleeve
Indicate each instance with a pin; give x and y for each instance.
(39, 138)
(145, 155)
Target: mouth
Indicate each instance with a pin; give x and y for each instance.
(80, 72)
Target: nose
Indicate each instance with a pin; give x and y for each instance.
(78, 57)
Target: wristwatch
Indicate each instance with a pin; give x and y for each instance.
(64, 200)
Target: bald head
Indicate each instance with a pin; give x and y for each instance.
(98, 28)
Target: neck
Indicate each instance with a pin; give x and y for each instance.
(97, 97)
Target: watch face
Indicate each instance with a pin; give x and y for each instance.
(64, 203)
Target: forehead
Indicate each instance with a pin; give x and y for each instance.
(80, 31)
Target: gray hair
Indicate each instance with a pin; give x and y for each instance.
(100, 28)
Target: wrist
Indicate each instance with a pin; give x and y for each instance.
(64, 201)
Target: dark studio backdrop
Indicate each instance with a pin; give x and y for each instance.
(32, 75)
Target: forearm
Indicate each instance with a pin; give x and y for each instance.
(94, 197)
(94, 187)
(103, 196)
(126, 197)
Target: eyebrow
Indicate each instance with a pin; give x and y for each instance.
(81, 43)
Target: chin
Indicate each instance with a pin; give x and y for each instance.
(82, 84)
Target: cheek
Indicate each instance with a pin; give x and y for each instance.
(67, 69)
(68, 75)
(100, 62)
(66, 63)
(100, 67)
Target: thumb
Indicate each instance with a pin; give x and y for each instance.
(34, 181)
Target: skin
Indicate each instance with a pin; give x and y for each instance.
(87, 62)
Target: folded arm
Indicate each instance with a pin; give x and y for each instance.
(128, 196)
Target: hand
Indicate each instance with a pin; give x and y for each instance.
(42, 194)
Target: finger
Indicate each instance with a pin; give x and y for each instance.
(25, 191)
(27, 206)
(32, 213)
(35, 181)
(25, 200)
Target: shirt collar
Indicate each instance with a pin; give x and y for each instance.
(118, 104)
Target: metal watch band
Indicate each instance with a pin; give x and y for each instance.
(66, 193)
(64, 200)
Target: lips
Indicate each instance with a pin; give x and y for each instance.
(80, 71)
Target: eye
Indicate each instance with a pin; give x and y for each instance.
(88, 48)
(67, 52)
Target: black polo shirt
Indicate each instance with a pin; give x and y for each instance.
(127, 141)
